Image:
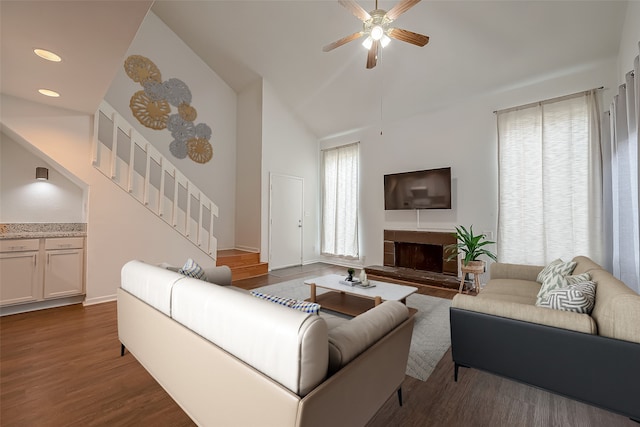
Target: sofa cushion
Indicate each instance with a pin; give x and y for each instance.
(192, 269)
(553, 277)
(151, 284)
(577, 297)
(521, 291)
(304, 306)
(287, 345)
(526, 312)
(351, 338)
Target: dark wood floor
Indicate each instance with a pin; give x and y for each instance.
(62, 367)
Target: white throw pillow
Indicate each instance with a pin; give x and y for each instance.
(553, 277)
(578, 297)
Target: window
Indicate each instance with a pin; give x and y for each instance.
(550, 181)
(340, 201)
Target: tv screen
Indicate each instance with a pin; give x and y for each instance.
(427, 189)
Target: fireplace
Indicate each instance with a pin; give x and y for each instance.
(426, 246)
(418, 257)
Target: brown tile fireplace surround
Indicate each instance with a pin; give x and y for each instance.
(418, 257)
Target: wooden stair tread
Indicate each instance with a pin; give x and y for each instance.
(243, 264)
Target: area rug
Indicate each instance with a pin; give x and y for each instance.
(431, 335)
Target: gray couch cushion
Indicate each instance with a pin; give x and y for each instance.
(516, 290)
(577, 297)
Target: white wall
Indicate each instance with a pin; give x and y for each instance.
(462, 136)
(25, 199)
(629, 40)
(288, 148)
(215, 103)
(119, 228)
(249, 167)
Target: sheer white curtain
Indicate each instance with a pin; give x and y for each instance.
(622, 191)
(340, 168)
(550, 192)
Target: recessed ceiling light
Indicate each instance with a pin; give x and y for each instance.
(47, 92)
(48, 55)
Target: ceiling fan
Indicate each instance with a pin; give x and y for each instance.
(376, 26)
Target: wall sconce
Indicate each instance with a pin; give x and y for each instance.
(42, 173)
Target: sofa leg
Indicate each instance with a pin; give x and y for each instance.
(400, 396)
(455, 372)
(122, 348)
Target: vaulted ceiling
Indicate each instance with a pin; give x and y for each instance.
(475, 47)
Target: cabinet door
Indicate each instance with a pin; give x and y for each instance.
(63, 274)
(19, 277)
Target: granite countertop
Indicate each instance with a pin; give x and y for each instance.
(41, 230)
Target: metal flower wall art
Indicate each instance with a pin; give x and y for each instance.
(152, 107)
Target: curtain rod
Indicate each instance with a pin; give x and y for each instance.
(545, 101)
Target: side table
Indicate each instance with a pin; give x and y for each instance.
(476, 270)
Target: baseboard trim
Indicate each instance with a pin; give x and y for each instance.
(40, 305)
(341, 261)
(247, 249)
(99, 300)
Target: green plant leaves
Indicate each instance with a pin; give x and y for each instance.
(470, 245)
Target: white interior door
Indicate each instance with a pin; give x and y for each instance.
(286, 212)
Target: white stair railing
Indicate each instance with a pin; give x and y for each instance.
(130, 161)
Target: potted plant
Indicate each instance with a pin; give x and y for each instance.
(471, 246)
(350, 272)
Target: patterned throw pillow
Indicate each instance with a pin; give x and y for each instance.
(553, 276)
(307, 307)
(192, 269)
(573, 280)
(578, 297)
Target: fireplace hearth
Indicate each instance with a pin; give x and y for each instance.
(418, 257)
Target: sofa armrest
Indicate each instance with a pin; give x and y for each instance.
(220, 275)
(527, 313)
(501, 270)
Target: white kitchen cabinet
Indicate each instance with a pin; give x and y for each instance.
(36, 270)
(20, 271)
(64, 267)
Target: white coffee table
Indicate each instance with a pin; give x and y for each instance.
(353, 300)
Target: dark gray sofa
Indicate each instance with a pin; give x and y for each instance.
(591, 358)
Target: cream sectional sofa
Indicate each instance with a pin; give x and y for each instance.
(230, 359)
(592, 358)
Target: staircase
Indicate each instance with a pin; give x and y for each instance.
(243, 264)
(130, 161)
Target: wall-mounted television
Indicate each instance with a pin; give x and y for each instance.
(426, 189)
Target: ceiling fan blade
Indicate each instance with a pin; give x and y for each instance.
(342, 41)
(401, 8)
(372, 56)
(408, 36)
(356, 9)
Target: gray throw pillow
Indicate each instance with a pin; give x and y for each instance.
(553, 277)
(578, 297)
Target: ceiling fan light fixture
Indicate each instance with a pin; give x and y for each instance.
(377, 32)
(367, 43)
(384, 41)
